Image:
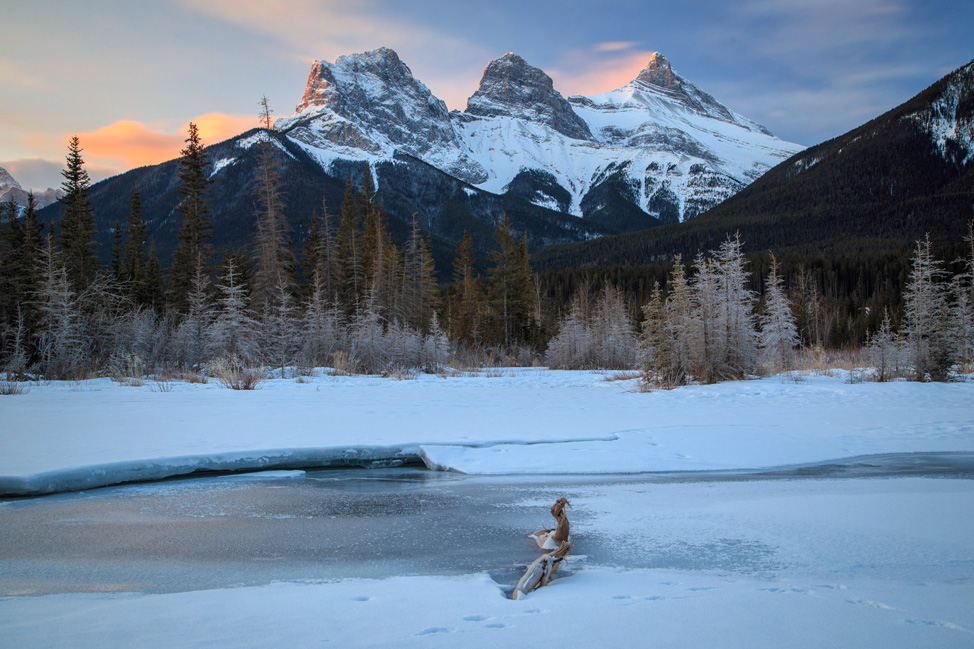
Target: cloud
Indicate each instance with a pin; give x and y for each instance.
(123, 145)
(128, 143)
(615, 46)
(581, 73)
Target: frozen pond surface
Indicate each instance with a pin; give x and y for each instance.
(241, 530)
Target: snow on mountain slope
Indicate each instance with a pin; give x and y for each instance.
(950, 118)
(660, 143)
(371, 104)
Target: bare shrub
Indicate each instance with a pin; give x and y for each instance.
(622, 375)
(163, 385)
(13, 387)
(342, 364)
(399, 373)
(195, 377)
(231, 374)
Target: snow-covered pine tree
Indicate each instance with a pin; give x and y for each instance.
(962, 309)
(883, 350)
(928, 348)
(279, 325)
(191, 339)
(322, 330)
(736, 303)
(235, 331)
(779, 333)
(616, 345)
(572, 347)
(366, 341)
(436, 347)
(708, 338)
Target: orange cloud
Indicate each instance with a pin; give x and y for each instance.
(588, 76)
(127, 143)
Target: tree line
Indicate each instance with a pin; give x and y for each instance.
(353, 299)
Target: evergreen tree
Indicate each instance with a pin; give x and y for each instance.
(883, 350)
(419, 281)
(925, 319)
(321, 332)
(962, 311)
(511, 288)
(20, 256)
(279, 327)
(192, 335)
(235, 332)
(737, 311)
(116, 266)
(77, 241)
(135, 259)
(469, 303)
(349, 280)
(194, 235)
(779, 333)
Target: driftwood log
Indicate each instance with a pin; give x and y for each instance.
(556, 541)
(552, 539)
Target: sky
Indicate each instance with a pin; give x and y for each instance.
(127, 77)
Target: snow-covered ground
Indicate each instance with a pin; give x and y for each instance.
(512, 421)
(800, 563)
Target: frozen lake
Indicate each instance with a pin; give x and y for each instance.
(255, 529)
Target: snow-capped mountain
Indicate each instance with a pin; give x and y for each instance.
(10, 190)
(7, 182)
(883, 186)
(657, 147)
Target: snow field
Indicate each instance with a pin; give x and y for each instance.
(526, 421)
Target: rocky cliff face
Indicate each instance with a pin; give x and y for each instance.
(512, 88)
(371, 104)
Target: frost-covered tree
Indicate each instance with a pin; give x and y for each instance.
(962, 310)
(235, 331)
(321, 333)
(436, 347)
(616, 344)
(928, 347)
(279, 325)
(736, 311)
(191, 340)
(883, 350)
(671, 333)
(60, 335)
(572, 346)
(367, 343)
(779, 332)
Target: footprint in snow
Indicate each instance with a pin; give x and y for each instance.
(936, 623)
(435, 629)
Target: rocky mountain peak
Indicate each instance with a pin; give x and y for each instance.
(511, 87)
(371, 102)
(7, 181)
(659, 72)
